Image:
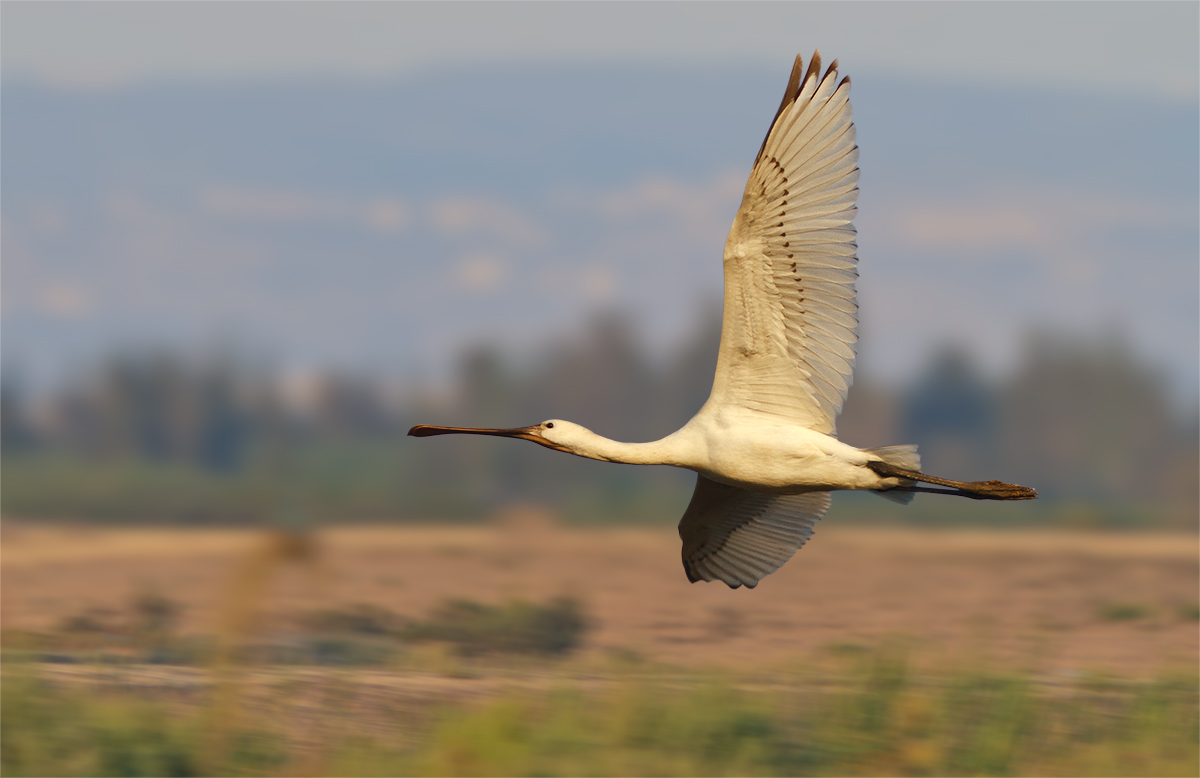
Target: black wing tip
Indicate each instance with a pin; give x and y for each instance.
(797, 69)
(814, 66)
(800, 76)
(832, 70)
(790, 93)
(794, 84)
(796, 81)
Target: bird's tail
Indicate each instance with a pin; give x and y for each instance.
(904, 457)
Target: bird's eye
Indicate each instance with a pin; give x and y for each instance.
(549, 425)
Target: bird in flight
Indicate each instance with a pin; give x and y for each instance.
(764, 445)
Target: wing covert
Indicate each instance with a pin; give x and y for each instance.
(790, 322)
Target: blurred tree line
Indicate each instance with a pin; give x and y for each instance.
(163, 437)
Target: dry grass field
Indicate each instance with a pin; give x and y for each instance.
(1047, 601)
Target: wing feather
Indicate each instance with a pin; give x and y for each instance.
(834, 318)
(740, 537)
(790, 325)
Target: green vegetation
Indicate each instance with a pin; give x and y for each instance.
(516, 628)
(871, 715)
(124, 491)
(358, 635)
(325, 481)
(332, 482)
(360, 480)
(1123, 611)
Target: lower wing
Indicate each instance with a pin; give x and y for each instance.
(740, 537)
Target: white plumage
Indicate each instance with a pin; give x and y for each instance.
(764, 446)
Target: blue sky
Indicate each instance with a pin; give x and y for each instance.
(377, 185)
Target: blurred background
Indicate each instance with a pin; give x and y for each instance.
(246, 246)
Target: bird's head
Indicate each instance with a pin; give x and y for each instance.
(556, 434)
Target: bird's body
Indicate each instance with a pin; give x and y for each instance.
(739, 448)
(764, 446)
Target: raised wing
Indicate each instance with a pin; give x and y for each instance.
(790, 323)
(739, 537)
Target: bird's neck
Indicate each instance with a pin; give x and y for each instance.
(667, 451)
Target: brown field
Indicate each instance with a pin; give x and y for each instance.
(1044, 600)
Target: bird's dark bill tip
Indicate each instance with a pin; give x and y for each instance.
(425, 430)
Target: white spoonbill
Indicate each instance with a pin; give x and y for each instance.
(764, 446)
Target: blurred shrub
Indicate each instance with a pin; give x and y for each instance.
(359, 635)
(348, 651)
(91, 621)
(356, 619)
(1123, 611)
(515, 628)
(146, 632)
(155, 614)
